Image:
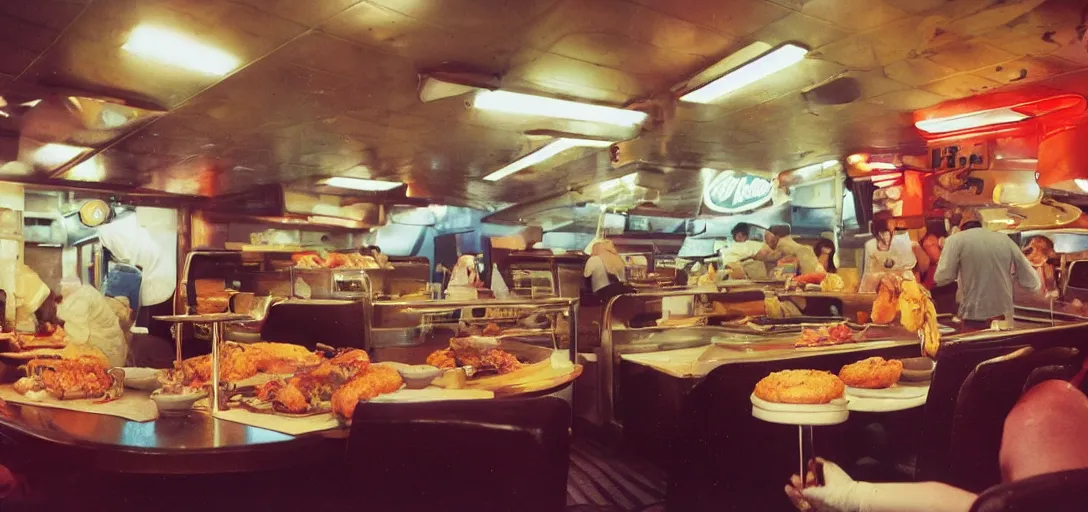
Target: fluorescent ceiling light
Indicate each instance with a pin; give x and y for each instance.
(56, 155)
(31, 103)
(627, 181)
(527, 104)
(970, 120)
(90, 169)
(765, 65)
(882, 166)
(554, 148)
(361, 184)
(175, 49)
(4, 114)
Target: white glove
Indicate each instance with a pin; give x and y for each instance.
(840, 493)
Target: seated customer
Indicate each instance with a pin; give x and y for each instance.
(1044, 433)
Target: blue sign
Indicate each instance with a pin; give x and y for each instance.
(734, 192)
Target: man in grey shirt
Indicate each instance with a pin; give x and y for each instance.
(984, 261)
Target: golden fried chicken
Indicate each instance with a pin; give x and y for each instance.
(307, 390)
(238, 362)
(84, 377)
(444, 358)
(872, 373)
(275, 357)
(918, 314)
(886, 305)
(800, 387)
(480, 357)
(375, 380)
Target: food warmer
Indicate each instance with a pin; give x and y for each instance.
(408, 331)
(304, 306)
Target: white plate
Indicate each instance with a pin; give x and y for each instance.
(896, 392)
(800, 414)
(801, 418)
(144, 379)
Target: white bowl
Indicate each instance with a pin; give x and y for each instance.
(143, 379)
(418, 376)
(176, 404)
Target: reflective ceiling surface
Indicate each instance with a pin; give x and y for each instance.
(329, 87)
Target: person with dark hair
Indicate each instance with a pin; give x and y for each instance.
(778, 245)
(741, 232)
(980, 261)
(737, 257)
(825, 254)
(887, 253)
(932, 243)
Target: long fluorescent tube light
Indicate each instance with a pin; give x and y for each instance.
(360, 184)
(765, 65)
(554, 148)
(175, 49)
(882, 166)
(970, 120)
(527, 104)
(56, 155)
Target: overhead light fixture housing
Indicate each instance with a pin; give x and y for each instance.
(360, 184)
(765, 65)
(970, 120)
(1062, 106)
(171, 48)
(56, 155)
(882, 166)
(552, 149)
(530, 105)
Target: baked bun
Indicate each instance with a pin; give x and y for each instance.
(872, 373)
(800, 387)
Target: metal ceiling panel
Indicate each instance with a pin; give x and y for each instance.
(329, 87)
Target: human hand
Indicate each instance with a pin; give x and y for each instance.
(1052, 295)
(839, 492)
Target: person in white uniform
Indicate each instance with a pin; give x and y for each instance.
(887, 253)
(89, 318)
(741, 253)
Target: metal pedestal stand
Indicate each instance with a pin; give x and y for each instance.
(216, 320)
(804, 417)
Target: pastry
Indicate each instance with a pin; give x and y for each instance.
(800, 387)
(872, 373)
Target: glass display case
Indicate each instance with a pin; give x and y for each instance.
(410, 331)
(536, 276)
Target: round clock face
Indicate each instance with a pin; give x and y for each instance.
(94, 212)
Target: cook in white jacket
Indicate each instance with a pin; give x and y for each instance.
(89, 318)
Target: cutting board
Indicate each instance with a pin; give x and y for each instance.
(298, 425)
(291, 425)
(431, 394)
(529, 379)
(133, 405)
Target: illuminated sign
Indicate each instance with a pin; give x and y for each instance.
(732, 192)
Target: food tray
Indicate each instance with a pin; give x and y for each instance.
(832, 413)
(895, 392)
(895, 398)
